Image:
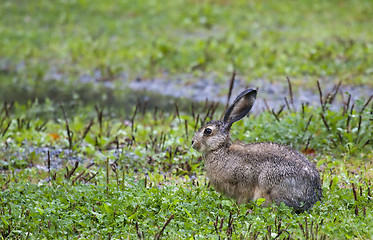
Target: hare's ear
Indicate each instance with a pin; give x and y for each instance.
(240, 107)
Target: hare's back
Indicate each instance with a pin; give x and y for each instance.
(277, 155)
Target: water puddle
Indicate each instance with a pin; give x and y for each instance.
(123, 94)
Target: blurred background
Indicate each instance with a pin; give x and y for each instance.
(120, 52)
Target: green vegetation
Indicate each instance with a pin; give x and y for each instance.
(303, 40)
(146, 181)
(71, 170)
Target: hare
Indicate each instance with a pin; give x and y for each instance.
(251, 171)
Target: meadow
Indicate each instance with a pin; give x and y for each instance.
(73, 165)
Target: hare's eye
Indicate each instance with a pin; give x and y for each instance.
(207, 131)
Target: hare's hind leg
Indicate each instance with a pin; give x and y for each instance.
(282, 190)
(262, 193)
(291, 194)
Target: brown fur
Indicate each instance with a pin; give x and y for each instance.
(247, 172)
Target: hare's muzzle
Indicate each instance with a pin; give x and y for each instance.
(195, 145)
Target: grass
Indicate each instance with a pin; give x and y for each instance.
(146, 182)
(69, 169)
(68, 39)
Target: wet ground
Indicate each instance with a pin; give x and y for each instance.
(271, 93)
(187, 89)
(163, 93)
